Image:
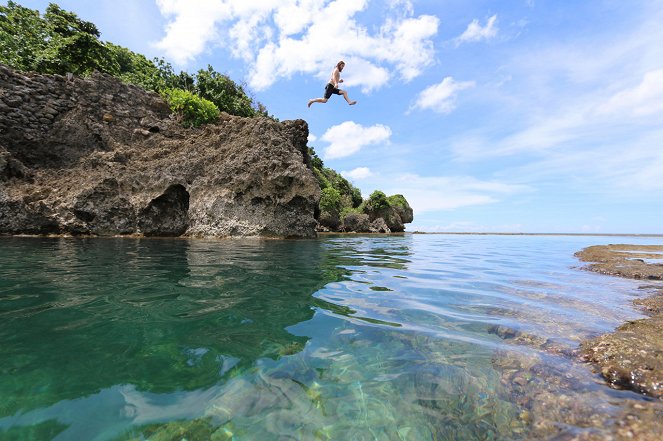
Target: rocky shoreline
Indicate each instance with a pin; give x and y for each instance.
(628, 359)
(631, 357)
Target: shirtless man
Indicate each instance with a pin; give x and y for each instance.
(332, 87)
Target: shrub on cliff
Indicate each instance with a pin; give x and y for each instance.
(191, 109)
(350, 195)
(376, 201)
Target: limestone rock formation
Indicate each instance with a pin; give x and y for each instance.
(357, 222)
(95, 156)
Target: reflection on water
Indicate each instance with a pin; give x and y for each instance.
(346, 338)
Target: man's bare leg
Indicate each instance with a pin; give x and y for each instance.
(316, 100)
(345, 95)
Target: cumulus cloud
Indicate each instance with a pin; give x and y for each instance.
(357, 173)
(441, 97)
(189, 29)
(476, 32)
(279, 38)
(349, 137)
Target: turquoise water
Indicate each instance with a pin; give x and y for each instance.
(412, 337)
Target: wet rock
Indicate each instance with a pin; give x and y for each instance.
(547, 414)
(624, 260)
(651, 305)
(632, 356)
(105, 210)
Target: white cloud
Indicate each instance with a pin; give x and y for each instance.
(190, 28)
(436, 193)
(475, 32)
(358, 173)
(349, 137)
(279, 38)
(365, 73)
(643, 100)
(441, 97)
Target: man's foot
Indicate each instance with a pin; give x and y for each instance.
(310, 102)
(352, 103)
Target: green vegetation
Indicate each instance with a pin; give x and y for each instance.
(191, 109)
(330, 200)
(398, 201)
(339, 198)
(60, 42)
(377, 201)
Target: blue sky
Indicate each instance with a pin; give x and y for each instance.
(509, 116)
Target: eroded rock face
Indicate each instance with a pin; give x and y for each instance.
(358, 222)
(96, 156)
(166, 215)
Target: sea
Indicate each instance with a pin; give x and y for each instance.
(343, 337)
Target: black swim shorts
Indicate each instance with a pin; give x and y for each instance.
(330, 89)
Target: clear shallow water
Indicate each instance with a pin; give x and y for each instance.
(414, 337)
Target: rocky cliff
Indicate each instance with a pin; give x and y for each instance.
(95, 156)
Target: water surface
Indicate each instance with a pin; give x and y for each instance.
(412, 337)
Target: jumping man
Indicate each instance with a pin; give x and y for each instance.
(332, 87)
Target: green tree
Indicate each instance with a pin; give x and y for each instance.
(224, 92)
(316, 162)
(134, 68)
(377, 201)
(23, 36)
(73, 46)
(330, 200)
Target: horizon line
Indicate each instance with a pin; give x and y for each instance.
(486, 233)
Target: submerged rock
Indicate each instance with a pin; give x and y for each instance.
(575, 415)
(96, 156)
